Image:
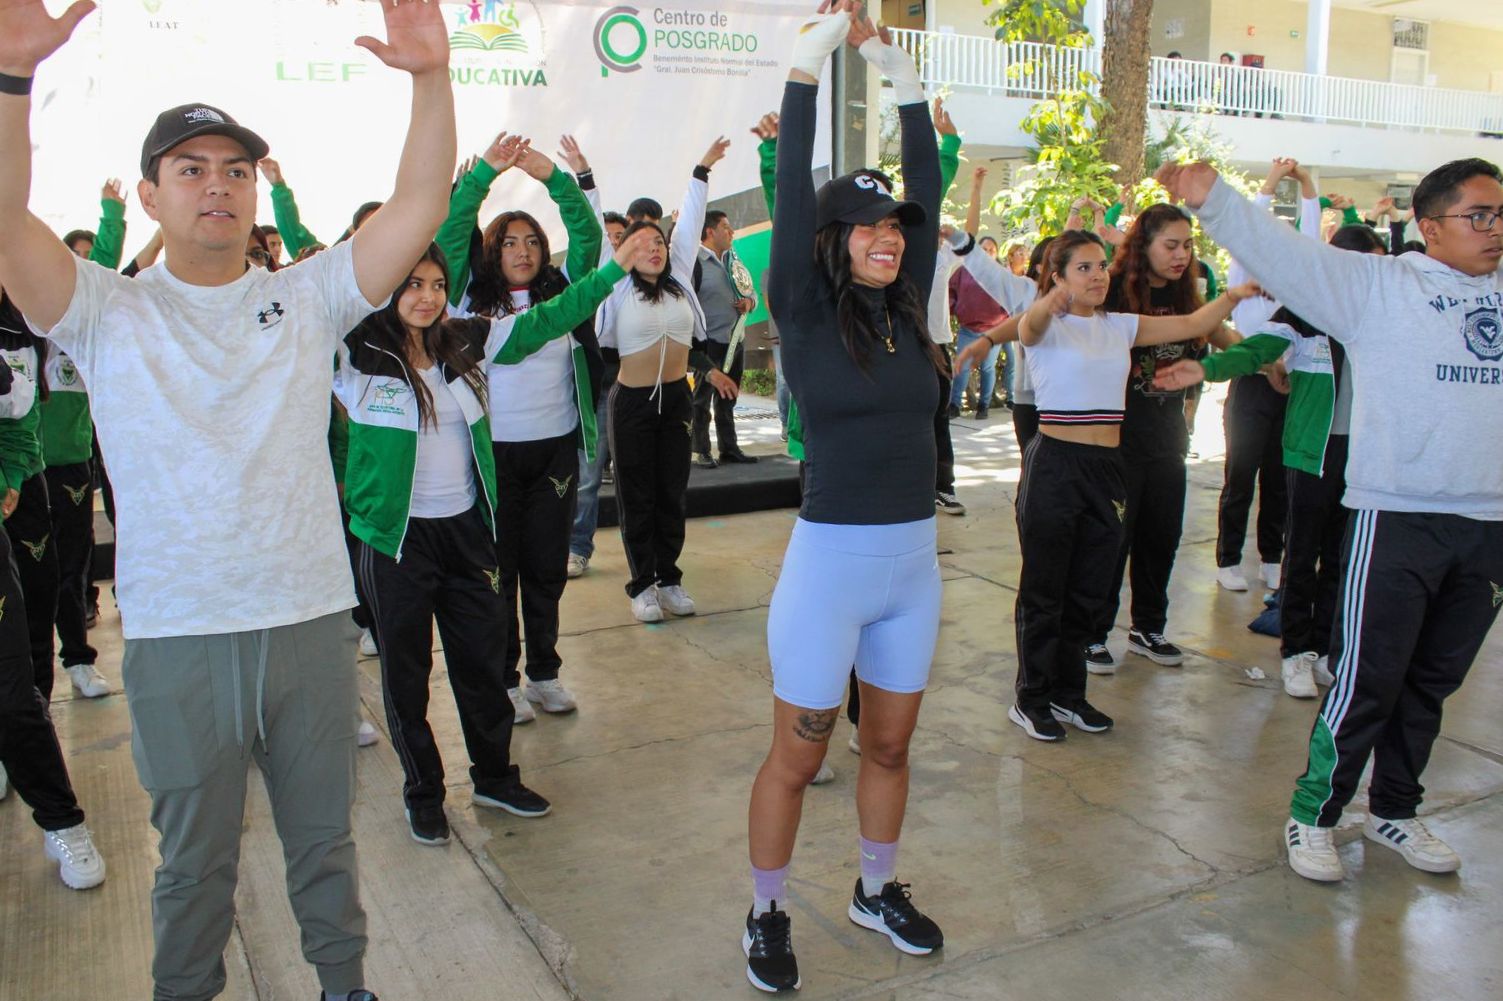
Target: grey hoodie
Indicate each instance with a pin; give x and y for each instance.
(1425, 344)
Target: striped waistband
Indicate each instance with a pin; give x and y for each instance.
(1080, 417)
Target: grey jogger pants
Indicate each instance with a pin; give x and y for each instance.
(202, 707)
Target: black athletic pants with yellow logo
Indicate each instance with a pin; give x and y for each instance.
(447, 572)
(70, 489)
(28, 743)
(35, 553)
(651, 431)
(537, 483)
(1070, 510)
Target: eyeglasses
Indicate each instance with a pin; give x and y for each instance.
(259, 256)
(1481, 221)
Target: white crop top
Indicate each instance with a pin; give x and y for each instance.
(641, 326)
(1079, 368)
(443, 484)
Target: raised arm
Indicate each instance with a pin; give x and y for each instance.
(385, 247)
(793, 221)
(922, 177)
(766, 131)
(588, 248)
(1300, 273)
(683, 248)
(295, 236)
(34, 263)
(109, 241)
(949, 150)
(464, 208)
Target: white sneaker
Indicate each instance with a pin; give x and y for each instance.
(368, 644)
(1322, 672)
(1231, 578)
(675, 599)
(87, 679)
(551, 696)
(1413, 840)
(855, 742)
(79, 863)
(645, 606)
(1270, 572)
(578, 565)
(1312, 852)
(1298, 674)
(367, 734)
(825, 774)
(524, 712)
(4, 782)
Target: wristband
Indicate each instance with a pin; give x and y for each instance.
(17, 86)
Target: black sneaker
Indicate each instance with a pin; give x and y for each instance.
(91, 617)
(515, 799)
(1155, 648)
(736, 456)
(429, 825)
(982, 413)
(1099, 660)
(892, 913)
(704, 460)
(360, 995)
(948, 503)
(1039, 724)
(1081, 715)
(768, 944)
(953, 412)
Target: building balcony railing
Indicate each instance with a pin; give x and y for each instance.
(1032, 70)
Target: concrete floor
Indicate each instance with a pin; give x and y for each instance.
(1143, 863)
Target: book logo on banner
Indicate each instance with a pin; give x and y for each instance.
(697, 42)
(496, 43)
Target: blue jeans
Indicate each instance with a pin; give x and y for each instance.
(587, 510)
(963, 339)
(783, 393)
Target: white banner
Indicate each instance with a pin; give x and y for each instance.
(644, 89)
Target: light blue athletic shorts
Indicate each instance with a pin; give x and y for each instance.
(862, 595)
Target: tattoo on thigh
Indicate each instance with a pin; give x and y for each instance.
(816, 724)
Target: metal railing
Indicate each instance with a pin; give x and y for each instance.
(1032, 70)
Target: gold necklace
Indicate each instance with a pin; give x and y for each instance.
(892, 348)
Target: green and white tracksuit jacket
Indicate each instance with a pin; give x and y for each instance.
(1312, 386)
(585, 240)
(375, 387)
(67, 429)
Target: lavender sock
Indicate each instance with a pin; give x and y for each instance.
(768, 886)
(879, 864)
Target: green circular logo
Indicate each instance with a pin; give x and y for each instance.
(611, 58)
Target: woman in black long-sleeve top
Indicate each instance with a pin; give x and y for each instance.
(851, 271)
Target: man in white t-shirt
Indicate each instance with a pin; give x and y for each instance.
(210, 387)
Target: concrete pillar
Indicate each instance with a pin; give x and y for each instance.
(1318, 37)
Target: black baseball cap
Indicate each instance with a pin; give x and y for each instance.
(863, 197)
(176, 126)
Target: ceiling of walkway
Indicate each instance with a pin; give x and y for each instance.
(1482, 13)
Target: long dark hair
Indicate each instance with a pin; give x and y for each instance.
(1036, 259)
(490, 292)
(1131, 291)
(444, 340)
(1061, 250)
(858, 331)
(653, 289)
